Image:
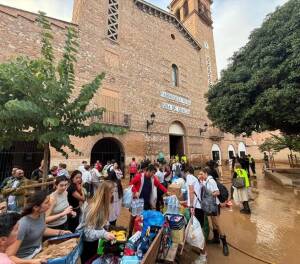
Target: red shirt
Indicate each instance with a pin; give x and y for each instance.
(133, 167)
(137, 182)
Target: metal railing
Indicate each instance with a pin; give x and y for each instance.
(113, 118)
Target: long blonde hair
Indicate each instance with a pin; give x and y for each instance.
(98, 213)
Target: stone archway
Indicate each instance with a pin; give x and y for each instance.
(107, 149)
(176, 139)
(231, 151)
(24, 155)
(242, 149)
(216, 153)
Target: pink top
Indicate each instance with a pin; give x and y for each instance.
(4, 259)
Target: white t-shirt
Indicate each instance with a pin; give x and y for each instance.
(211, 185)
(81, 169)
(191, 180)
(197, 189)
(11, 199)
(86, 177)
(160, 175)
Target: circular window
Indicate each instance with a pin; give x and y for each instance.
(172, 36)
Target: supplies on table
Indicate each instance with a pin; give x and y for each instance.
(146, 241)
(130, 260)
(132, 244)
(137, 207)
(172, 205)
(61, 250)
(177, 225)
(152, 219)
(138, 224)
(107, 259)
(115, 247)
(175, 188)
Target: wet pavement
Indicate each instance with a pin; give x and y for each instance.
(270, 234)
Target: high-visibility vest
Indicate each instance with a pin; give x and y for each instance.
(243, 174)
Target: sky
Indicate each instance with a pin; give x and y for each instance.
(233, 19)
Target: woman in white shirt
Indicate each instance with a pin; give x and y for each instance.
(212, 187)
(194, 190)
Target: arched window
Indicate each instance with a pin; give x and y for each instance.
(174, 75)
(185, 9)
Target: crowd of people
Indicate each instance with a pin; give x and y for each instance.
(89, 199)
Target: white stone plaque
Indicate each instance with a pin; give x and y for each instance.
(175, 108)
(176, 98)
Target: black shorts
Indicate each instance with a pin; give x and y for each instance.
(199, 214)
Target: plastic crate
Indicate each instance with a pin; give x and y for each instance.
(71, 258)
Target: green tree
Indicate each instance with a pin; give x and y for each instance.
(260, 89)
(278, 143)
(38, 102)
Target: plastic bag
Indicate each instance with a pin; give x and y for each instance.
(194, 234)
(209, 204)
(152, 218)
(127, 197)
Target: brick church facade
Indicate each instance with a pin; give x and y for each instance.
(158, 66)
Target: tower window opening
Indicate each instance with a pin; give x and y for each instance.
(175, 79)
(113, 20)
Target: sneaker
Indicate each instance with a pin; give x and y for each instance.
(202, 259)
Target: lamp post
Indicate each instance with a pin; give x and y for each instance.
(202, 130)
(151, 122)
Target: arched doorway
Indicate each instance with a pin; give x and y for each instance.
(216, 153)
(231, 152)
(108, 149)
(242, 149)
(176, 139)
(24, 155)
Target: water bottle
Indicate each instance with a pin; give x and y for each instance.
(172, 205)
(134, 208)
(141, 206)
(138, 207)
(177, 207)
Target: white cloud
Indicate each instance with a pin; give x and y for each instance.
(61, 9)
(233, 22)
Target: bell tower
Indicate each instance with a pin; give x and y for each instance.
(195, 15)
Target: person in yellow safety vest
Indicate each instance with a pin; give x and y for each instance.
(177, 157)
(184, 159)
(241, 194)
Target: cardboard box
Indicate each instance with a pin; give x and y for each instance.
(175, 189)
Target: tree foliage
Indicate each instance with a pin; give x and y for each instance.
(260, 89)
(37, 98)
(277, 143)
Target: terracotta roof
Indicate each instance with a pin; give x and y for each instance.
(30, 16)
(164, 15)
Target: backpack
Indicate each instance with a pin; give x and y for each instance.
(224, 194)
(178, 170)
